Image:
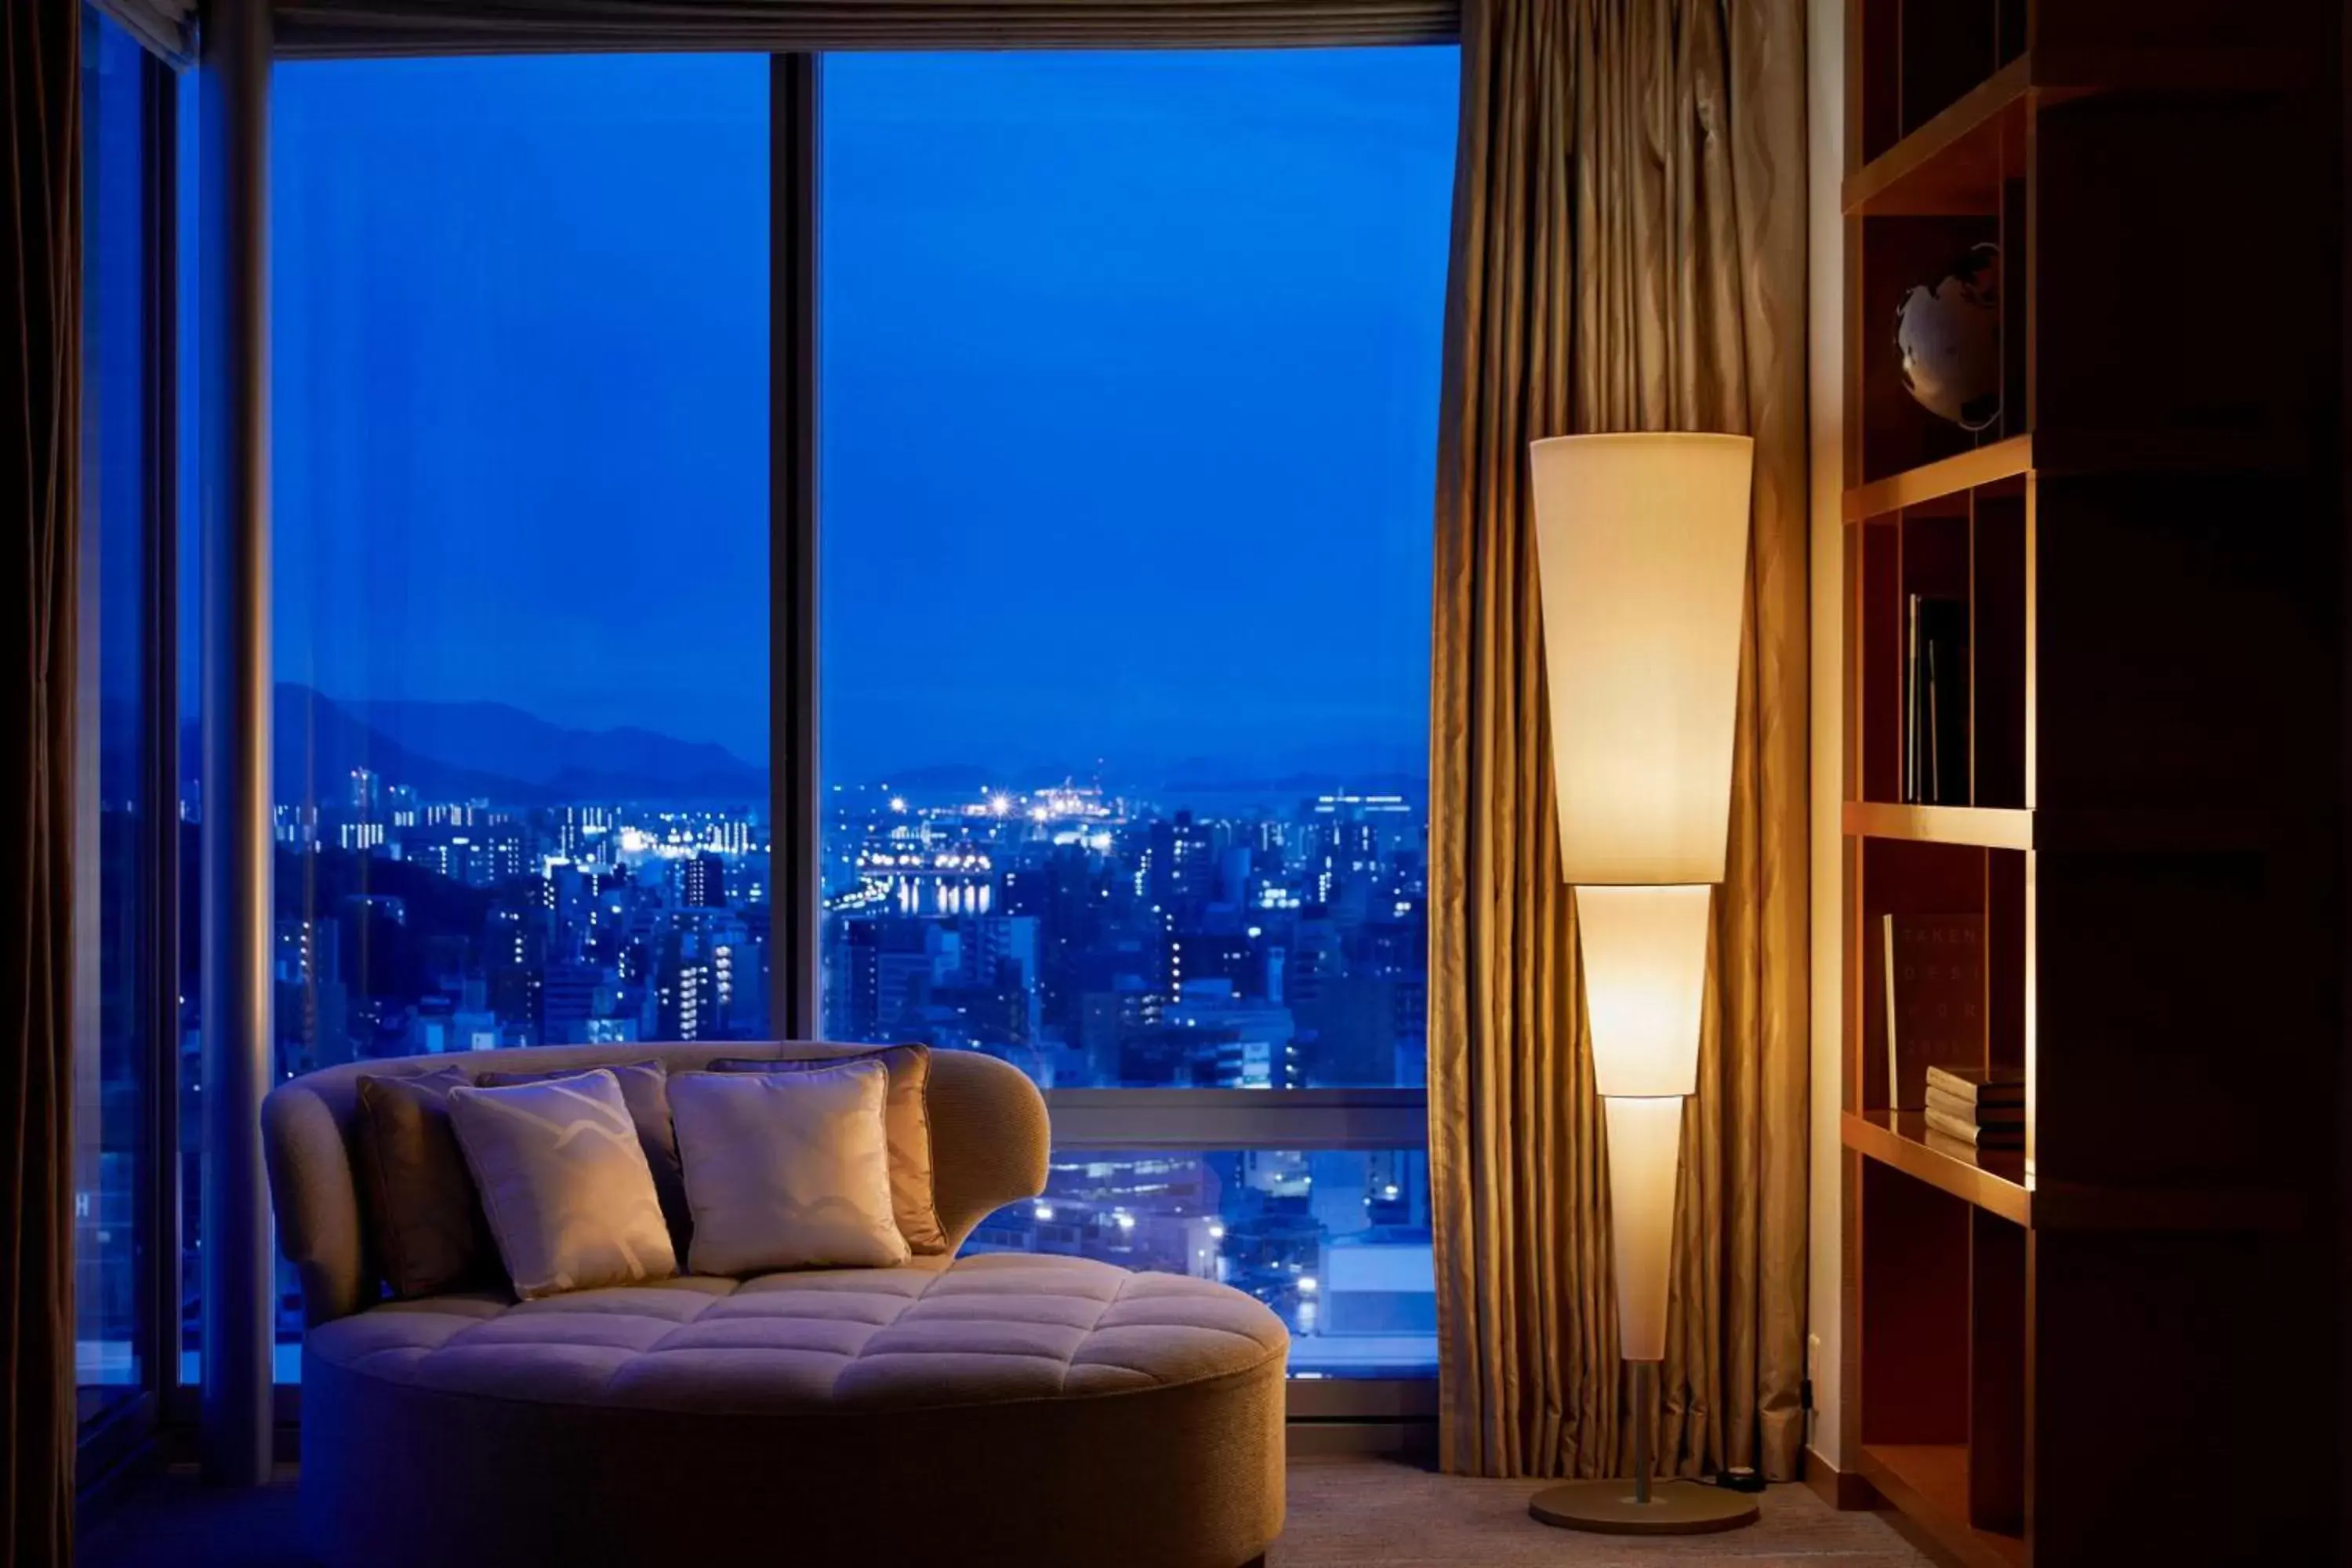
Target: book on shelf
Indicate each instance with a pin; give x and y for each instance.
(1935, 701)
(1975, 1115)
(1974, 1136)
(1934, 1000)
(1958, 1148)
(1979, 1086)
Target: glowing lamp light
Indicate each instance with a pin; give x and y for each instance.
(1641, 542)
(1642, 548)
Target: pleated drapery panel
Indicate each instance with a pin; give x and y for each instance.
(314, 28)
(42, 62)
(1627, 255)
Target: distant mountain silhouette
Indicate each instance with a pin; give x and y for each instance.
(467, 751)
(497, 738)
(495, 752)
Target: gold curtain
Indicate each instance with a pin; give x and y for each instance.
(1627, 255)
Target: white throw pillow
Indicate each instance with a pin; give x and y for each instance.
(787, 1170)
(564, 1184)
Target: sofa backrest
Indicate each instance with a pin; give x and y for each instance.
(989, 1140)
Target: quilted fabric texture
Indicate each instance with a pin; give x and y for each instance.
(974, 1330)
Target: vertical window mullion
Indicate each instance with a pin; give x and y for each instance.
(793, 545)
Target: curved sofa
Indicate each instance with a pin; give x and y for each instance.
(998, 1409)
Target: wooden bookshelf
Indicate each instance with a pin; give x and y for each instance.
(2148, 599)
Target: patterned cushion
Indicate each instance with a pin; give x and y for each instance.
(646, 1086)
(564, 1183)
(787, 1170)
(972, 1331)
(907, 1115)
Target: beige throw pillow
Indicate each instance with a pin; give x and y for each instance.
(564, 1182)
(906, 1120)
(787, 1170)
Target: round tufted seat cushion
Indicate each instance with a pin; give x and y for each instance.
(998, 1408)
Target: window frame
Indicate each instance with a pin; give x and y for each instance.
(1328, 1413)
(108, 1440)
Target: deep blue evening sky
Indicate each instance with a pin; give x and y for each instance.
(1128, 396)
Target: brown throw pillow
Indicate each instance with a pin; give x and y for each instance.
(423, 1212)
(645, 1087)
(906, 1116)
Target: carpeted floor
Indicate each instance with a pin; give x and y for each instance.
(1344, 1513)
(1366, 1513)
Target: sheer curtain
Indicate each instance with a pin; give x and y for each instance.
(1629, 255)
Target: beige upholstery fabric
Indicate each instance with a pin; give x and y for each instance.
(1051, 1413)
(787, 1170)
(906, 1116)
(974, 1330)
(564, 1184)
(988, 1144)
(997, 1410)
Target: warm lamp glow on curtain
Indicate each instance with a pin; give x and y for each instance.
(1643, 545)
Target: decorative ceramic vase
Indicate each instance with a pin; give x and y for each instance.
(1948, 337)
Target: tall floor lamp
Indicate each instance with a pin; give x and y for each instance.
(1642, 543)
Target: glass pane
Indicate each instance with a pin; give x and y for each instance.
(115, 893)
(520, 498)
(1130, 390)
(1336, 1241)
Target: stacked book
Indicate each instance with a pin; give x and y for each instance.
(1984, 1108)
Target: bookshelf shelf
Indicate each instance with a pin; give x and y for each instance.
(1929, 1483)
(2188, 452)
(1994, 1181)
(2082, 831)
(1984, 826)
(2009, 459)
(1955, 163)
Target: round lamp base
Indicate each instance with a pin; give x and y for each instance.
(1675, 1508)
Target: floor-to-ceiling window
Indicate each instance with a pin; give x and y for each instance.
(120, 893)
(520, 553)
(1128, 413)
(1128, 405)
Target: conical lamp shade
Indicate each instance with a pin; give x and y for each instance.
(1642, 541)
